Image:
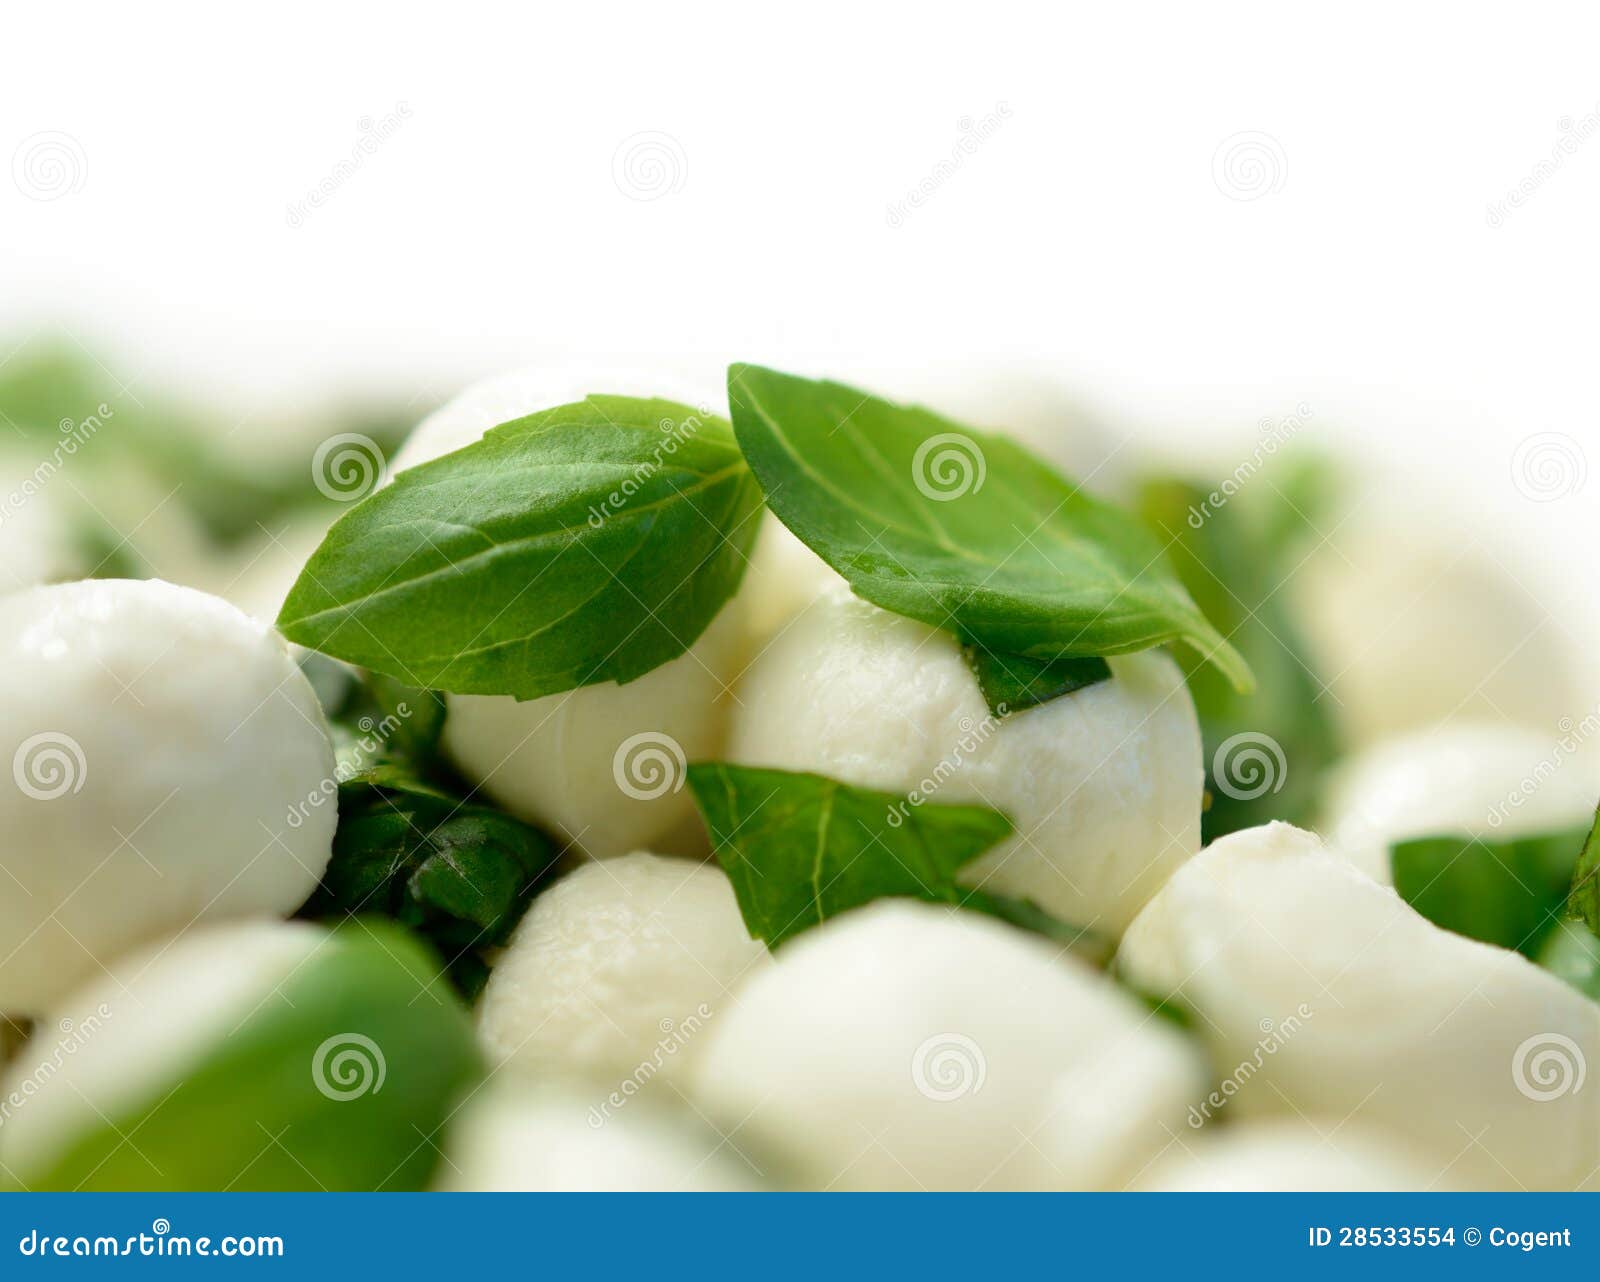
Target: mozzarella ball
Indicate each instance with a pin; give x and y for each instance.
(784, 577)
(158, 740)
(1323, 994)
(257, 577)
(1496, 782)
(602, 765)
(1103, 786)
(1412, 621)
(1290, 1157)
(617, 971)
(551, 1140)
(908, 1045)
(251, 1055)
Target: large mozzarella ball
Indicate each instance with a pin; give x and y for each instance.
(1490, 781)
(1412, 621)
(1291, 1156)
(1323, 994)
(905, 1045)
(617, 971)
(1103, 785)
(159, 743)
(602, 765)
(247, 1055)
(513, 1138)
(784, 578)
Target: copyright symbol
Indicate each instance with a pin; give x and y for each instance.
(1473, 1237)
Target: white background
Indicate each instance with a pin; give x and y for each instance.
(1087, 237)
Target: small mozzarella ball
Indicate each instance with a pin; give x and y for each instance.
(1290, 1157)
(1103, 786)
(602, 765)
(158, 740)
(1411, 622)
(784, 577)
(907, 1045)
(1496, 782)
(1323, 994)
(252, 1054)
(257, 577)
(511, 1140)
(617, 971)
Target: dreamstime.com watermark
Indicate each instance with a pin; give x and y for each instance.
(648, 765)
(948, 466)
(1548, 1066)
(374, 734)
(675, 434)
(674, 1037)
(1573, 736)
(74, 436)
(1249, 165)
(347, 1066)
(160, 1242)
(1276, 1035)
(74, 1037)
(974, 734)
(1573, 134)
(48, 765)
(948, 1066)
(971, 135)
(372, 135)
(347, 467)
(649, 165)
(1249, 765)
(1274, 436)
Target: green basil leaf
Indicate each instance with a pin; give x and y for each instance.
(1234, 558)
(1583, 896)
(268, 1100)
(591, 542)
(458, 874)
(1010, 682)
(961, 529)
(801, 848)
(1571, 952)
(1509, 893)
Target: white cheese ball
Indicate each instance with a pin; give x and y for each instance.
(1103, 786)
(553, 1140)
(784, 578)
(908, 1045)
(1413, 620)
(1496, 782)
(1284, 1156)
(617, 971)
(158, 739)
(1322, 994)
(601, 765)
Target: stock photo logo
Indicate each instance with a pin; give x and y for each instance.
(348, 467)
(1249, 765)
(1247, 166)
(948, 466)
(1549, 1066)
(49, 165)
(649, 765)
(1549, 466)
(347, 1066)
(49, 765)
(949, 1066)
(647, 166)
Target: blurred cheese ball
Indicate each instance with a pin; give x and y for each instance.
(1103, 785)
(602, 765)
(906, 1045)
(1322, 994)
(94, 521)
(1290, 1157)
(1495, 782)
(1412, 621)
(552, 1140)
(257, 576)
(784, 577)
(158, 739)
(617, 971)
(250, 1055)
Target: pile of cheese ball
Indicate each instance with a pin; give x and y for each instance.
(634, 1036)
